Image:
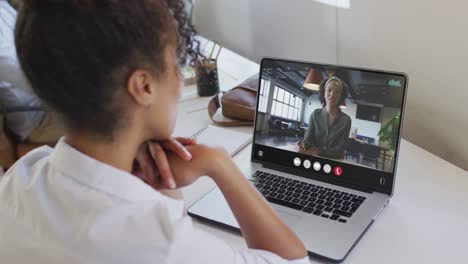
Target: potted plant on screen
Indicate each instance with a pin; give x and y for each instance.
(388, 133)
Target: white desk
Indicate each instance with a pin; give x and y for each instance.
(425, 222)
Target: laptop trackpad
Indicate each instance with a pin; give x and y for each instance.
(213, 206)
(290, 219)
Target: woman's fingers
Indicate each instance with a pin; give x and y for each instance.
(178, 148)
(301, 146)
(160, 158)
(186, 141)
(154, 164)
(146, 168)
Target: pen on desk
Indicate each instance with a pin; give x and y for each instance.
(212, 51)
(219, 51)
(298, 139)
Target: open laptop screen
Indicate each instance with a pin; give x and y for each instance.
(338, 122)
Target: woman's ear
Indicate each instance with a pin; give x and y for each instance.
(141, 86)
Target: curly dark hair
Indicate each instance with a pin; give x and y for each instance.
(78, 54)
(344, 91)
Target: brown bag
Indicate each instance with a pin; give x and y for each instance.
(238, 105)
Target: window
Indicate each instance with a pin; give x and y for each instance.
(264, 92)
(286, 104)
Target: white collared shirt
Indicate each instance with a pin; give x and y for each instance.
(62, 206)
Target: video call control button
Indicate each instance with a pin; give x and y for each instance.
(317, 166)
(297, 162)
(338, 171)
(307, 164)
(382, 181)
(327, 168)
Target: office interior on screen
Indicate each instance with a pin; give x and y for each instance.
(289, 93)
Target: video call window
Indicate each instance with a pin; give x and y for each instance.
(345, 115)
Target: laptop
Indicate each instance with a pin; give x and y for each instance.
(324, 153)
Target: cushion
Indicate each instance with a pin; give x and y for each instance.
(20, 123)
(15, 90)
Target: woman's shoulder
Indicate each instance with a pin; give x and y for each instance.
(318, 111)
(345, 117)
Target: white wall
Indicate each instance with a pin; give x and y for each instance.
(364, 127)
(426, 39)
(310, 104)
(258, 28)
(228, 22)
(429, 41)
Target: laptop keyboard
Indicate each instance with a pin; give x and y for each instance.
(310, 198)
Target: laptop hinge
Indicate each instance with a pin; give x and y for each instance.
(317, 177)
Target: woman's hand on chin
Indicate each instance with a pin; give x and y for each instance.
(151, 164)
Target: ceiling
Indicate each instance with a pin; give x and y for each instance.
(362, 86)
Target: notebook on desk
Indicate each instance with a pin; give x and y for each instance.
(232, 141)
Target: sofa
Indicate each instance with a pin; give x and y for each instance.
(279, 126)
(7, 146)
(12, 148)
(15, 93)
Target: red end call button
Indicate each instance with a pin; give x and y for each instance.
(338, 171)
